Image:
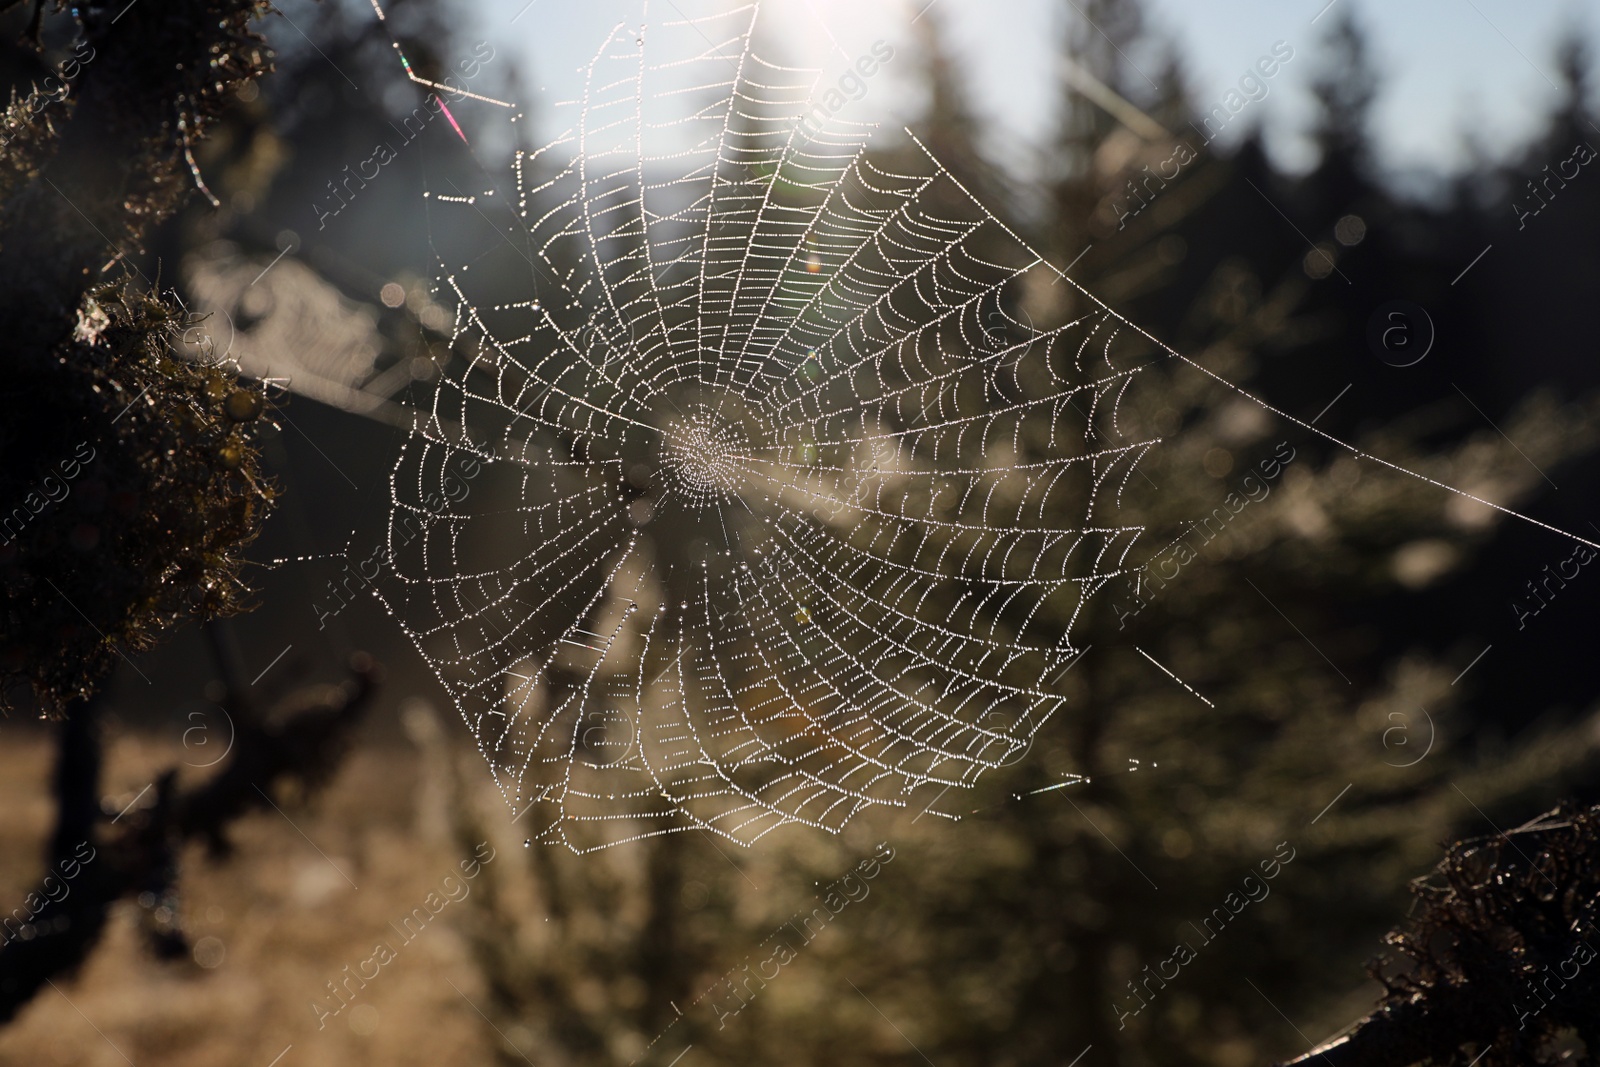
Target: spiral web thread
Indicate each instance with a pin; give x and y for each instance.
(767, 477)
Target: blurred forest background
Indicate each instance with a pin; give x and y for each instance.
(1332, 625)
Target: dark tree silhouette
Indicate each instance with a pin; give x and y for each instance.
(131, 482)
(1496, 961)
(1345, 87)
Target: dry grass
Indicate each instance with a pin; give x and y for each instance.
(287, 920)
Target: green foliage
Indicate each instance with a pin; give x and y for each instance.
(1046, 920)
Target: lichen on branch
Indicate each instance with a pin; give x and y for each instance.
(130, 480)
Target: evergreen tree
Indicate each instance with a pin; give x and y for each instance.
(1161, 848)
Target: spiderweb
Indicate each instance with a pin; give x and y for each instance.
(757, 503)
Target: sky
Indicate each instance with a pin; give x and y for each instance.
(1450, 70)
